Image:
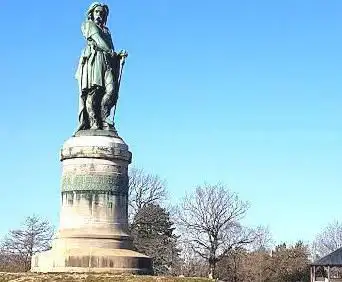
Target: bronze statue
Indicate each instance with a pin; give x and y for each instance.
(99, 71)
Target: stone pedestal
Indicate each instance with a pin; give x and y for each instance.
(93, 232)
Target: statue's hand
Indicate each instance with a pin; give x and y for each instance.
(113, 53)
(123, 54)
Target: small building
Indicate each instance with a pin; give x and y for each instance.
(328, 268)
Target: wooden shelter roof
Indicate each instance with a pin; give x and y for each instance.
(332, 259)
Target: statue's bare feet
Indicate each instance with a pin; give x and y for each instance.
(94, 126)
(107, 126)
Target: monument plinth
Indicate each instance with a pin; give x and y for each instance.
(93, 232)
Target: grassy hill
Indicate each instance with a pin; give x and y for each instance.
(26, 277)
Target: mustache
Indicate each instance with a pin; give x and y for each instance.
(98, 19)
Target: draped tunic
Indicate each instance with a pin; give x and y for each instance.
(94, 61)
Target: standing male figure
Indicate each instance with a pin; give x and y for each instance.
(98, 71)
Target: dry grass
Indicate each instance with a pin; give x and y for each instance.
(66, 277)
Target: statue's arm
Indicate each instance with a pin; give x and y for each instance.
(100, 43)
(91, 33)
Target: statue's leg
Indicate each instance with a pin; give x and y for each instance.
(83, 115)
(109, 99)
(90, 104)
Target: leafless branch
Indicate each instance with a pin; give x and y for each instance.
(21, 244)
(210, 219)
(144, 189)
(328, 240)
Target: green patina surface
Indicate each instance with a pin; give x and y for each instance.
(115, 183)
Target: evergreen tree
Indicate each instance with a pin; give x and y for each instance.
(152, 232)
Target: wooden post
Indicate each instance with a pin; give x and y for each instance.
(314, 274)
(328, 273)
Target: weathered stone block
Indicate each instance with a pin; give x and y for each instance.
(93, 232)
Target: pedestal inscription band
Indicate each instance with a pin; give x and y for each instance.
(115, 183)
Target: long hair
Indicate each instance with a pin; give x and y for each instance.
(91, 9)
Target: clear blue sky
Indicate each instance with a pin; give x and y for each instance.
(243, 92)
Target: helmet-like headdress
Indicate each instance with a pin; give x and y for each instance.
(92, 8)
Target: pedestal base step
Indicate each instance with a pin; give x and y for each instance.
(92, 260)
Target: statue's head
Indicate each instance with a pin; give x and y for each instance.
(98, 13)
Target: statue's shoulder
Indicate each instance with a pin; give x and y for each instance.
(89, 28)
(106, 30)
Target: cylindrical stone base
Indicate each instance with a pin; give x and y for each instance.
(93, 232)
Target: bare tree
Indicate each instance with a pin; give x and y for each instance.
(191, 264)
(263, 240)
(287, 263)
(144, 189)
(210, 218)
(328, 240)
(20, 245)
